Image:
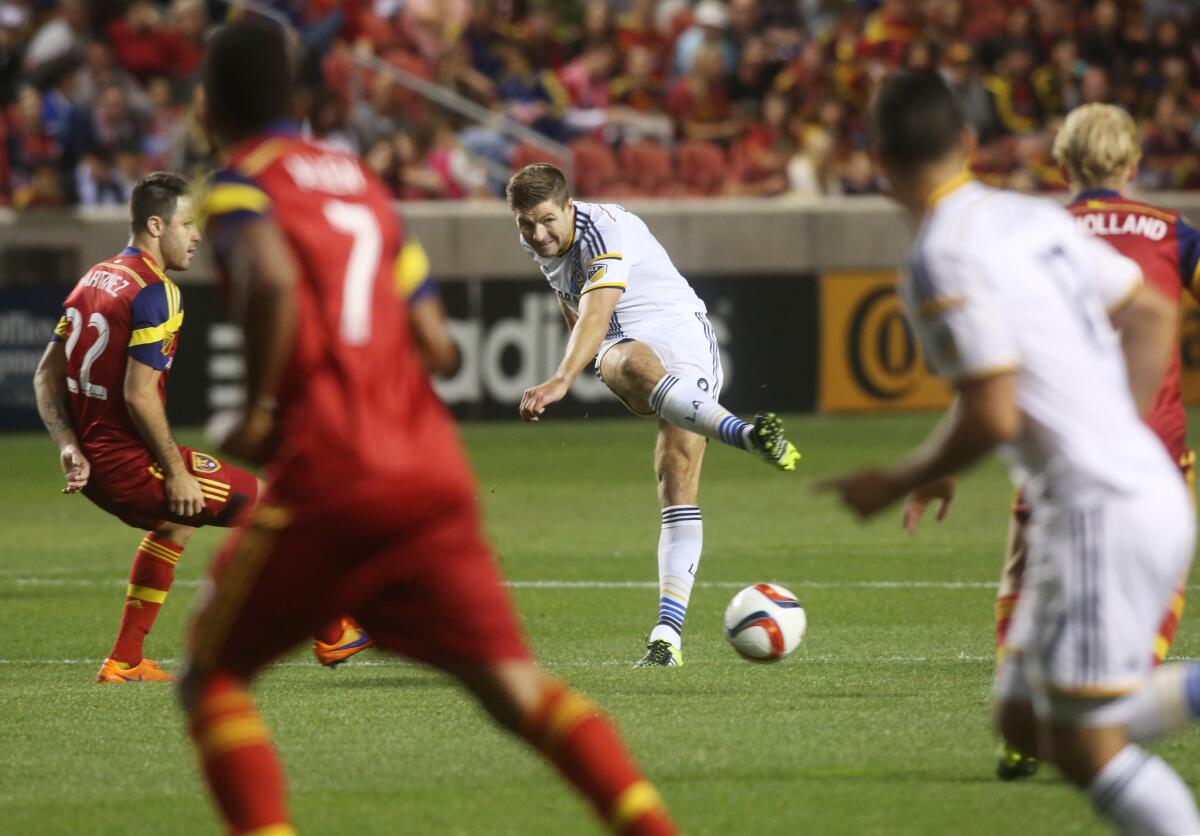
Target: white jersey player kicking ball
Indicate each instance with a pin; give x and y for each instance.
(629, 308)
(1019, 310)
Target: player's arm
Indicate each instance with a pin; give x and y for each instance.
(595, 312)
(142, 399)
(1149, 323)
(426, 313)
(985, 414)
(262, 272)
(53, 404)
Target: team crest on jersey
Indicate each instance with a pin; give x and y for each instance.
(596, 272)
(204, 463)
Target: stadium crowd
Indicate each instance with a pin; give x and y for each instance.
(745, 97)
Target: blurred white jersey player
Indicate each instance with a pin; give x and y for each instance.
(630, 310)
(1017, 308)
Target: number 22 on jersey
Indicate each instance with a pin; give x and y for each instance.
(84, 384)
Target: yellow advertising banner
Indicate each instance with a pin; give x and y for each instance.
(870, 359)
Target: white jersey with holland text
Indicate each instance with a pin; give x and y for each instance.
(612, 247)
(1002, 281)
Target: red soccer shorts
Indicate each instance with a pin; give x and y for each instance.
(133, 490)
(413, 569)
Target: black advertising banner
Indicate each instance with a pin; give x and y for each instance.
(511, 335)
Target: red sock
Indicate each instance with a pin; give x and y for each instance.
(330, 633)
(1004, 610)
(238, 760)
(151, 576)
(1170, 623)
(578, 739)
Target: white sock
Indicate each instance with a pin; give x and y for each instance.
(679, 545)
(1169, 701)
(1142, 796)
(687, 406)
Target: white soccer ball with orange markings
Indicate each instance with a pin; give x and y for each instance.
(765, 622)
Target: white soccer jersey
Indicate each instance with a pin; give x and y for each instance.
(998, 281)
(612, 247)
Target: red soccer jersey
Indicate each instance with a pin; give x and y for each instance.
(121, 308)
(355, 403)
(1168, 250)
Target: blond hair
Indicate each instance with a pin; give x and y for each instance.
(1097, 143)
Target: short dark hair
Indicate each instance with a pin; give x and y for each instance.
(158, 194)
(916, 119)
(534, 185)
(249, 75)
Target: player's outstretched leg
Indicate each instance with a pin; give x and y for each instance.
(684, 404)
(149, 580)
(339, 641)
(236, 756)
(574, 734)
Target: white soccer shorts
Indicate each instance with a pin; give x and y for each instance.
(1099, 577)
(685, 343)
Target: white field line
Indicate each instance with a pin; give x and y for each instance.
(394, 662)
(560, 584)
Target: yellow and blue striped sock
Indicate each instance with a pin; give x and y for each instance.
(679, 545)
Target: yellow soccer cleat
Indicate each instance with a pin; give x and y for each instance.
(354, 640)
(145, 671)
(768, 441)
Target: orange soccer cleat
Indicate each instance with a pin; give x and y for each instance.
(353, 640)
(145, 671)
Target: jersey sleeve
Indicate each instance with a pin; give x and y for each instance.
(960, 321)
(230, 200)
(413, 279)
(606, 263)
(1116, 277)
(156, 315)
(1189, 255)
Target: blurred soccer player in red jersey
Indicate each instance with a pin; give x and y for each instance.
(370, 505)
(101, 392)
(1099, 148)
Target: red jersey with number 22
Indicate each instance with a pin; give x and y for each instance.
(122, 308)
(1167, 248)
(355, 403)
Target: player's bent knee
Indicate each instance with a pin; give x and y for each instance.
(508, 691)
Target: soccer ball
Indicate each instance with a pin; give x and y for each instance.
(764, 622)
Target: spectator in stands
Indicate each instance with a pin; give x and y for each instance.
(64, 32)
(1101, 45)
(109, 125)
(1014, 99)
(711, 18)
(760, 157)
(98, 182)
(140, 42)
(13, 19)
(699, 101)
(43, 190)
(961, 71)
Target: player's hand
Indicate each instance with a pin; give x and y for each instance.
(75, 467)
(918, 500)
(184, 497)
(535, 400)
(250, 435)
(866, 492)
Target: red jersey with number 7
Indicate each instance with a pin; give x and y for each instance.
(1167, 248)
(355, 403)
(122, 308)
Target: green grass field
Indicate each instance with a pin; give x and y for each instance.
(878, 724)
